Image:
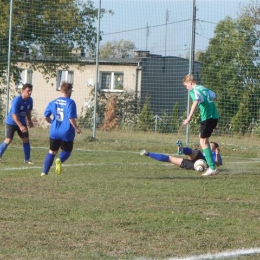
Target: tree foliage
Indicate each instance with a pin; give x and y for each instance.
(231, 66)
(117, 49)
(46, 33)
(146, 118)
(119, 108)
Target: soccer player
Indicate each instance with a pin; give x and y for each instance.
(203, 98)
(61, 114)
(193, 156)
(21, 109)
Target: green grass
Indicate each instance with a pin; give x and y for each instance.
(111, 203)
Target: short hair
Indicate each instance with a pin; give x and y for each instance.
(216, 144)
(27, 85)
(65, 86)
(189, 77)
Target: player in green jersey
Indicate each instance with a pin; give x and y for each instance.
(203, 98)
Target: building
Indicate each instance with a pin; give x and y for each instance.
(159, 78)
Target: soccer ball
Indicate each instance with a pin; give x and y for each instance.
(200, 165)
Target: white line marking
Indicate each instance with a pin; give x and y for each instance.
(71, 165)
(222, 255)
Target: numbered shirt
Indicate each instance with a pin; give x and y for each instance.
(61, 110)
(206, 105)
(19, 107)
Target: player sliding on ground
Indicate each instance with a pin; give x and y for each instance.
(193, 156)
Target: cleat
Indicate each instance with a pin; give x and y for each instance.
(179, 144)
(58, 166)
(43, 174)
(143, 152)
(210, 172)
(28, 162)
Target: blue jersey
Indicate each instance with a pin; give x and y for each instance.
(19, 107)
(62, 109)
(214, 157)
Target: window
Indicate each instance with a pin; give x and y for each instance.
(64, 75)
(112, 81)
(25, 77)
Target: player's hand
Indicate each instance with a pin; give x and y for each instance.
(23, 129)
(30, 123)
(78, 131)
(186, 121)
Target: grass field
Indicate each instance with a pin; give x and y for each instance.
(112, 203)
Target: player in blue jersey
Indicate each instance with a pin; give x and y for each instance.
(203, 98)
(193, 156)
(61, 114)
(21, 109)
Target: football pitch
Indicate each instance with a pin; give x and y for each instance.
(111, 203)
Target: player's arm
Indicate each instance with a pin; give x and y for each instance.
(212, 95)
(74, 124)
(192, 110)
(48, 119)
(217, 159)
(18, 122)
(29, 118)
(48, 113)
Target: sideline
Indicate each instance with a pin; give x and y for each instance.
(222, 255)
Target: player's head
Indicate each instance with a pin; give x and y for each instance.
(26, 90)
(189, 81)
(66, 88)
(213, 146)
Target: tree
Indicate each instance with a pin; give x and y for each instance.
(240, 122)
(145, 118)
(230, 66)
(111, 118)
(117, 49)
(46, 33)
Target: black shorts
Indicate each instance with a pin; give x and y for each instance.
(207, 127)
(55, 145)
(189, 164)
(11, 129)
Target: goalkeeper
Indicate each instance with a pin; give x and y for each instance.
(193, 156)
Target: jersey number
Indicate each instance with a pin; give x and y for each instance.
(60, 114)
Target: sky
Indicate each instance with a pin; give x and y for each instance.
(164, 26)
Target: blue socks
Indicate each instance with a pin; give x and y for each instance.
(26, 151)
(159, 157)
(49, 158)
(3, 147)
(64, 155)
(186, 150)
(48, 161)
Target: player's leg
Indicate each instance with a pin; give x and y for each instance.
(66, 148)
(26, 145)
(157, 156)
(27, 150)
(49, 158)
(10, 130)
(191, 153)
(187, 164)
(206, 130)
(163, 157)
(175, 160)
